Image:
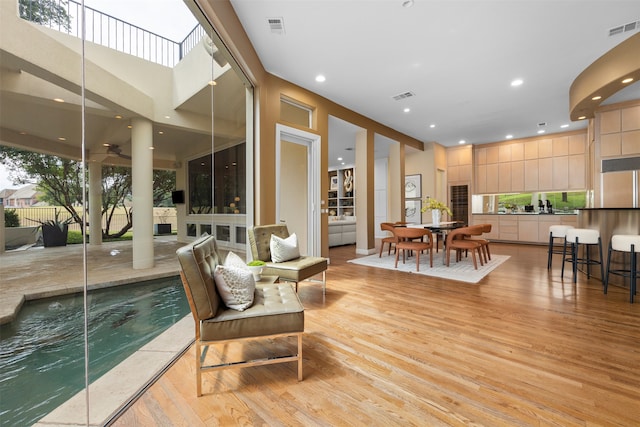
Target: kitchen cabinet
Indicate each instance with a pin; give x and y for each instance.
(560, 170)
(577, 172)
(504, 178)
(508, 228)
(545, 174)
(528, 228)
(531, 172)
(517, 176)
(522, 228)
(493, 178)
(545, 164)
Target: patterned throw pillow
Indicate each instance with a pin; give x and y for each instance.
(284, 249)
(233, 260)
(235, 283)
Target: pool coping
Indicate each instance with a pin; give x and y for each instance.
(109, 394)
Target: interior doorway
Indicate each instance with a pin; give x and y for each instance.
(298, 186)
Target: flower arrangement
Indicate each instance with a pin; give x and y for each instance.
(430, 204)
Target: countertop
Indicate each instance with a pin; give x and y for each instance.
(526, 213)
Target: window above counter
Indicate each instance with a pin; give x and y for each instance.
(534, 203)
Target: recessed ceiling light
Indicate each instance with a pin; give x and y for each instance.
(564, 126)
(167, 117)
(342, 163)
(509, 136)
(152, 148)
(462, 141)
(582, 117)
(595, 98)
(432, 126)
(58, 99)
(106, 144)
(23, 132)
(62, 138)
(117, 116)
(160, 132)
(212, 83)
(320, 78)
(541, 131)
(629, 80)
(339, 159)
(406, 110)
(129, 126)
(517, 82)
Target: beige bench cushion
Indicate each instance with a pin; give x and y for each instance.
(276, 310)
(296, 270)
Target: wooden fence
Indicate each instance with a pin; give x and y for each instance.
(32, 215)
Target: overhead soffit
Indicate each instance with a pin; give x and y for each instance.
(604, 78)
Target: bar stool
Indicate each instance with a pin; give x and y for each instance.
(625, 243)
(556, 232)
(586, 237)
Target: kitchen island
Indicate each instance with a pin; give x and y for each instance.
(610, 221)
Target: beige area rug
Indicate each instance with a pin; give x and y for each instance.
(462, 271)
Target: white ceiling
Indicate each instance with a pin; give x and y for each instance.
(458, 57)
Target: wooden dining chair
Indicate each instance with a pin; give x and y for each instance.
(459, 241)
(414, 240)
(390, 240)
(484, 243)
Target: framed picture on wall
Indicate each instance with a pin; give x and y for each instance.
(413, 186)
(412, 211)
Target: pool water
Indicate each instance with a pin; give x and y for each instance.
(42, 351)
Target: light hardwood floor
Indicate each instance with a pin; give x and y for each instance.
(522, 347)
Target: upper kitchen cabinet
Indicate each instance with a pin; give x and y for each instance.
(553, 163)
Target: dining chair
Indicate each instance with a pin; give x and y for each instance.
(390, 240)
(459, 240)
(414, 239)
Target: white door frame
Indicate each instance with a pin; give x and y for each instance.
(312, 142)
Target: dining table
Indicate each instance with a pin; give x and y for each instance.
(440, 230)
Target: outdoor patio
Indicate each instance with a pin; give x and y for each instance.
(38, 272)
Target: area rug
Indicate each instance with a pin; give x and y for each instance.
(462, 271)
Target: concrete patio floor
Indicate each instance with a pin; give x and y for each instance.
(40, 272)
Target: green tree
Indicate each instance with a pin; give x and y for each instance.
(11, 218)
(46, 12)
(164, 182)
(60, 180)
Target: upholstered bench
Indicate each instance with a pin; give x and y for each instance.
(276, 310)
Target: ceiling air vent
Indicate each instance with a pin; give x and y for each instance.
(631, 26)
(403, 95)
(276, 25)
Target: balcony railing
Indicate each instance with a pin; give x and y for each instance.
(106, 30)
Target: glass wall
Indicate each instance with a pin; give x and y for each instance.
(150, 94)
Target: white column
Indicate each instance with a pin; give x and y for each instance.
(142, 189)
(95, 203)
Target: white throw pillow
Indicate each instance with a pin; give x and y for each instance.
(236, 286)
(284, 249)
(233, 260)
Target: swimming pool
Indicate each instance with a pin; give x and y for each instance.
(42, 351)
